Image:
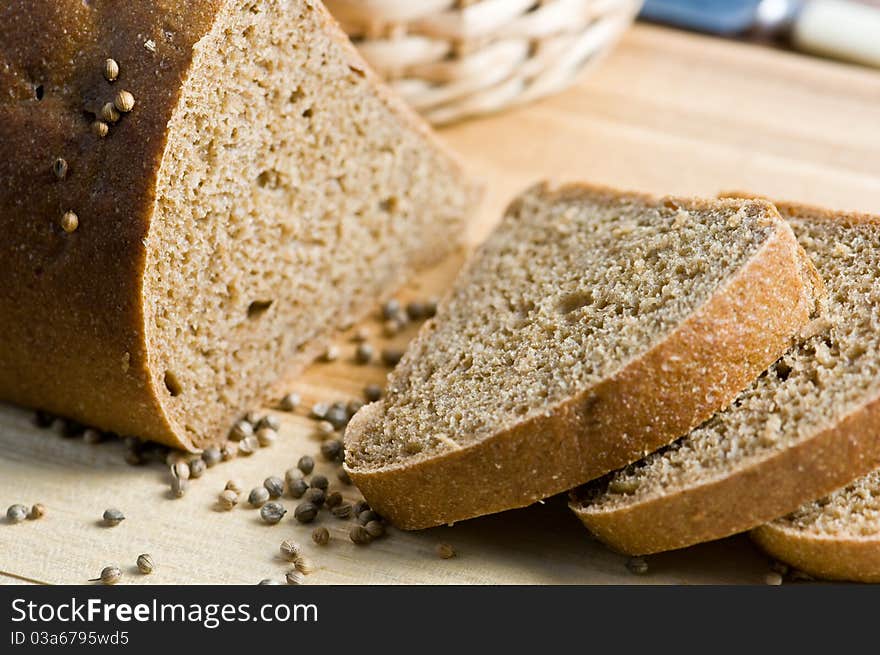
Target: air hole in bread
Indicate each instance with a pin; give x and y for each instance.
(389, 205)
(575, 301)
(308, 113)
(258, 307)
(172, 384)
(38, 92)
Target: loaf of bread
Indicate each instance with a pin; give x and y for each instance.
(805, 428)
(836, 537)
(592, 327)
(179, 223)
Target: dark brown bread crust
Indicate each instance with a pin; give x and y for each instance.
(768, 489)
(71, 310)
(735, 336)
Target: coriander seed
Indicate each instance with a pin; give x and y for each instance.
(145, 564)
(234, 485)
(274, 485)
(38, 511)
(359, 535)
(197, 468)
(304, 565)
(248, 446)
(391, 356)
(109, 113)
(227, 499)
(331, 354)
(319, 481)
(100, 129)
(69, 221)
(343, 476)
(298, 488)
(113, 517)
(290, 550)
(306, 464)
(109, 575)
(368, 515)
(391, 327)
(59, 168)
(375, 528)
(637, 565)
(258, 497)
(16, 513)
(179, 487)
(321, 536)
(361, 335)
(363, 353)
(331, 449)
(319, 410)
(333, 499)
(372, 393)
(294, 577)
(269, 421)
(124, 101)
(111, 70)
(416, 310)
(305, 512)
(290, 402)
(229, 451)
(211, 456)
(338, 415)
(315, 496)
(291, 475)
(360, 506)
(241, 430)
(180, 469)
(390, 308)
(272, 512)
(342, 511)
(445, 551)
(266, 437)
(324, 429)
(773, 579)
(251, 416)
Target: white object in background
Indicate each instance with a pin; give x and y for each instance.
(840, 29)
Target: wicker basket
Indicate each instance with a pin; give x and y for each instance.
(456, 58)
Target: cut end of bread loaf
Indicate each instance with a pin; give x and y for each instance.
(291, 196)
(592, 327)
(835, 538)
(803, 429)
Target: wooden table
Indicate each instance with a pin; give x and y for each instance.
(667, 112)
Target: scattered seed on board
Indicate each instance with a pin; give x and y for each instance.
(234, 485)
(197, 468)
(272, 512)
(337, 415)
(179, 487)
(319, 481)
(298, 488)
(16, 513)
(342, 511)
(229, 451)
(38, 511)
(445, 551)
(113, 516)
(269, 421)
(290, 402)
(180, 469)
(124, 101)
(241, 430)
(391, 356)
(274, 485)
(59, 168)
(111, 70)
(637, 565)
(331, 354)
(391, 327)
(109, 112)
(321, 536)
(375, 528)
(315, 496)
(92, 436)
(363, 353)
(319, 410)
(145, 564)
(69, 221)
(324, 429)
(416, 310)
(306, 464)
(266, 437)
(258, 496)
(294, 577)
(773, 579)
(290, 550)
(360, 335)
(227, 499)
(368, 515)
(291, 475)
(268, 581)
(372, 393)
(304, 565)
(100, 129)
(359, 535)
(390, 308)
(251, 416)
(248, 446)
(343, 476)
(331, 449)
(360, 506)
(305, 512)
(109, 575)
(333, 499)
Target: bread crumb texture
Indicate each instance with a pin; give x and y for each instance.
(831, 373)
(570, 288)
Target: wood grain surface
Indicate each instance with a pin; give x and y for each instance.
(666, 112)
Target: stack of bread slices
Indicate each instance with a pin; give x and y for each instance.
(687, 369)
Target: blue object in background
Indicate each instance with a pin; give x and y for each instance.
(727, 17)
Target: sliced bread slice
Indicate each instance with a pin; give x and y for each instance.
(592, 327)
(805, 428)
(836, 538)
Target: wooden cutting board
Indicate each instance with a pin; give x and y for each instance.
(666, 112)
